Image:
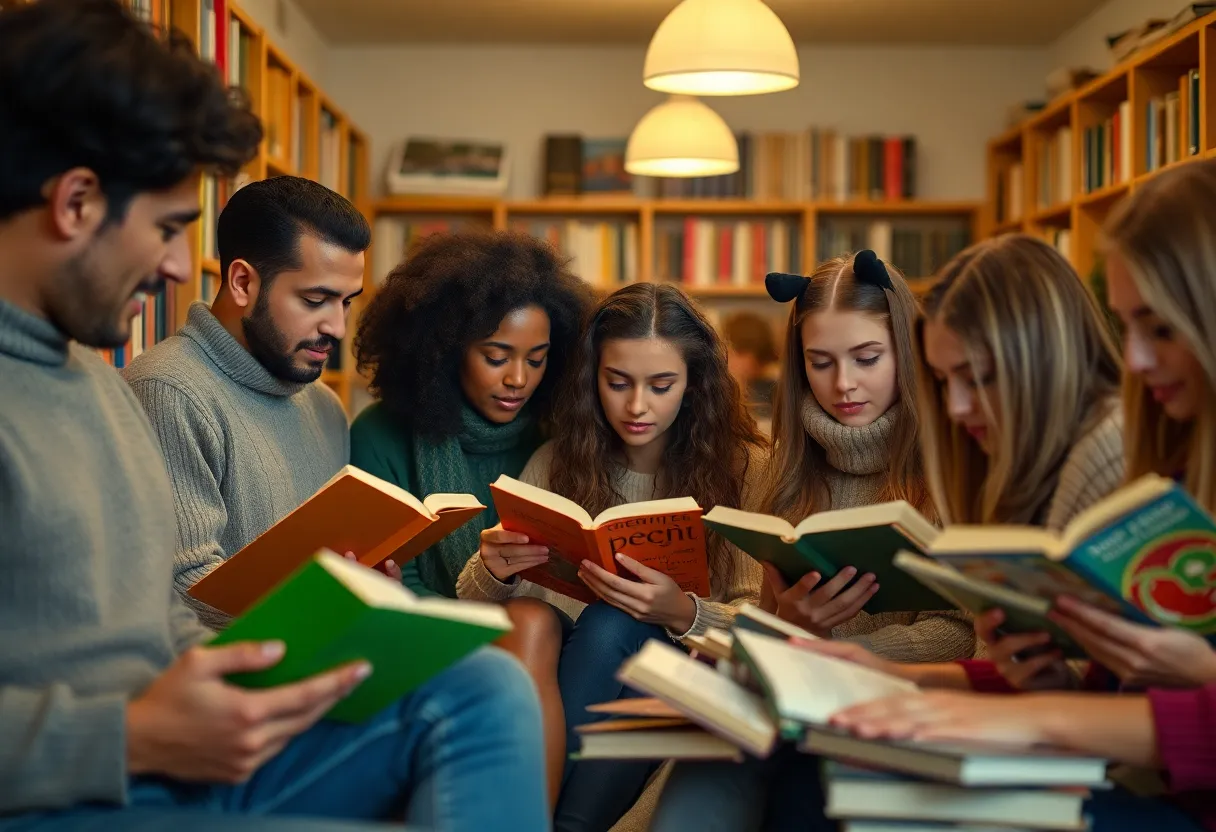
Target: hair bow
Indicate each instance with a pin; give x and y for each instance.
(869, 269)
(784, 288)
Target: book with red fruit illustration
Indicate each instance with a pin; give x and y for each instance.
(1146, 552)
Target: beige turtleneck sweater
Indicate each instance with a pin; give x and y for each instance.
(859, 458)
(477, 583)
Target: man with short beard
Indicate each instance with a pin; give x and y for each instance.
(247, 432)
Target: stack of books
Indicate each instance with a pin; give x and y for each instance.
(759, 691)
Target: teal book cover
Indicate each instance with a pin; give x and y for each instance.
(1159, 561)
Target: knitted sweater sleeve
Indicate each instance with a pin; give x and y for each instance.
(742, 584)
(1185, 721)
(911, 636)
(477, 583)
(1093, 469)
(195, 453)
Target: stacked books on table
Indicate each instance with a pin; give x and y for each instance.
(762, 691)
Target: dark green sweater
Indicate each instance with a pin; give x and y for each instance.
(382, 446)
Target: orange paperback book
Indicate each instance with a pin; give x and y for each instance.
(354, 512)
(666, 535)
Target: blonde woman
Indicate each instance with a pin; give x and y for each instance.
(1160, 266)
(1018, 388)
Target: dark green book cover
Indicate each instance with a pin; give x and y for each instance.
(332, 612)
(868, 547)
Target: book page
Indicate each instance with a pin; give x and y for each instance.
(808, 687)
(964, 539)
(438, 503)
(646, 508)
(709, 698)
(1114, 506)
(898, 513)
(753, 521)
(554, 502)
(386, 487)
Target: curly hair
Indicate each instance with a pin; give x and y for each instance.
(452, 291)
(708, 452)
(86, 84)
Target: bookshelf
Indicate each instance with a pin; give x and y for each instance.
(615, 240)
(1058, 174)
(294, 111)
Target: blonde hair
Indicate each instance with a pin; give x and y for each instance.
(798, 484)
(1054, 362)
(1165, 233)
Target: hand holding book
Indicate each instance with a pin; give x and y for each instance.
(654, 598)
(506, 554)
(1141, 656)
(815, 608)
(1027, 661)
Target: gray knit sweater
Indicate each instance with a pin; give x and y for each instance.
(87, 607)
(478, 583)
(859, 458)
(244, 448)
(1093, 468)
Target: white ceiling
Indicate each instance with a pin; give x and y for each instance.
(980, 22)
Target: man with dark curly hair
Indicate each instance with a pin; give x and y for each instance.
(113, 712)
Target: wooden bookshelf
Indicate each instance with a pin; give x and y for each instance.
(1150, 113)
(422, 215)
(291, 107)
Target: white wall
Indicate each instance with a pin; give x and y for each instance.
(952, 99)
(292, 32)
(1085, 44)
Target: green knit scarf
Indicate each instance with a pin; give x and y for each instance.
(443, 468)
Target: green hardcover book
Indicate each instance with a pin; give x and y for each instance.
(1146, 552)
(866, 538)
(1023, 613)
(333, 611)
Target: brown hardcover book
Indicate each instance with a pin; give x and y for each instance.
(563, 165)
(666, 535)
(353, 512)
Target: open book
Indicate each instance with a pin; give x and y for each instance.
(666, 535)
(1146, 552)
(866, 538)
(802, 688)
(333, 611)
(353, 512)
(705, 696)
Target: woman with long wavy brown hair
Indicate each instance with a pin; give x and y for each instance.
(649, 411)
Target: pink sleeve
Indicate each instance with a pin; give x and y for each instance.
(1186, 735)
(985, 678)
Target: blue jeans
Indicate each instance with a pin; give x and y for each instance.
(462, 752)
(784, 793)
(595, 794)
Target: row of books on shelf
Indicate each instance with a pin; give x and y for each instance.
(1106, 157)
(705, 252)
(1172, 124)
(1054, 171)
(598, 250)
(917, 251)
(148, 328)
(812, 164)
(1010, 194)
(156, 12)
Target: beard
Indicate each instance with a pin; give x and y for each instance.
(85, 311)
(273, 350)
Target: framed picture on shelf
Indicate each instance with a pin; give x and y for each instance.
(450, 167)
(604, 167)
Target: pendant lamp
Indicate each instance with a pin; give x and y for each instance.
(681, 137)
(721, 47)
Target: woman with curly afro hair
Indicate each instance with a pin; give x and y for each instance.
(649, 411)
(464, 342)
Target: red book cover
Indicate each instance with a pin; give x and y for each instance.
(893, 168)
